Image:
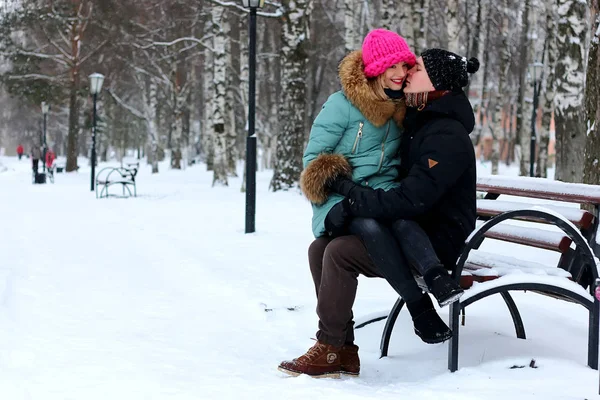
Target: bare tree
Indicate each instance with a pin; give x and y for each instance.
(525, 96)
(496, 127)
(420, 15)
(549, 89)
(570, 77)
(389, 14)
(452, 25)
(351, 25)
(292, 109)
(591, 171)
(220, 85)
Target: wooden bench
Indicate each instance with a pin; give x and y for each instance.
(573, 235)
(110, 176)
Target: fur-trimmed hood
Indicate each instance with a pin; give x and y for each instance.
(357, 90)
(320, 173)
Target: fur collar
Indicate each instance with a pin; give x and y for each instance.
(357, 90)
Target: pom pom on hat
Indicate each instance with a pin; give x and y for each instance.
(472, 65)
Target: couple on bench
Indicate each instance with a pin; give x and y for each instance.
(390, 172)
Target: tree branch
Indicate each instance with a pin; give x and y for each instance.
(232, 4)
(135, 112)
(190, 39)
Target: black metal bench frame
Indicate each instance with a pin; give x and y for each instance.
(120, 176)
(581, 261)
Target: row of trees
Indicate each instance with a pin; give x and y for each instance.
(177, 74)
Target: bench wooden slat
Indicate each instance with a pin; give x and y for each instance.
(480, 262)
(540, 238)
(540, 188)
(490, 208)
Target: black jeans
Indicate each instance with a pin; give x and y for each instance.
(395, 249)
(416, 246)
(387, 256)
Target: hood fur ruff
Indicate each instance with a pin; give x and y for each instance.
(357, 90)
(320, 173)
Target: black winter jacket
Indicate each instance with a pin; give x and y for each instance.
(438, 177)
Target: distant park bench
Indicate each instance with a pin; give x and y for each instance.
(483, 274)
(120, 176)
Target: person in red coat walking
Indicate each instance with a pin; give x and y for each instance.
(50, 157)
(20, 151)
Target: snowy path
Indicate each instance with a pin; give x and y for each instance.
(160, 297)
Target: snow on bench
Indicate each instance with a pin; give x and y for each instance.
(490, 208)
(540, 238)
(482, 263)
(540, 188)
(556, 281)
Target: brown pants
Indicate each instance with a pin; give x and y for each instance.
(335, 265)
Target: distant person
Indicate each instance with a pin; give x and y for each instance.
(50, 157)
(20, 151)
(36, 154)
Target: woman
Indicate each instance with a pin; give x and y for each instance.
(360, 123)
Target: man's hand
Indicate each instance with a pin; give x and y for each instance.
(337, 219)
(343, 186)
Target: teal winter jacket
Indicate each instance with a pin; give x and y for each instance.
(364, 129)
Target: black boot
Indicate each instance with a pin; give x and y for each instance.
(428, 324)
(442, 286)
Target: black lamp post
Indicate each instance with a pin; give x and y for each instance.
(45, 109)
(96, 81)
(251, 138)
(537, 69)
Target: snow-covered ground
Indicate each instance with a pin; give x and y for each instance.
(163, 297)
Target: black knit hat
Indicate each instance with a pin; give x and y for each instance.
(448, 71)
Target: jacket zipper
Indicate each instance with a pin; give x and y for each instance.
(387, 132)
(358, 137)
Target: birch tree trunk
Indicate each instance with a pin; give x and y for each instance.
(452, 26)
(208, 134)
(389, 14)
(549, 89)
(351, 25)
(292, 108)
(229, 113)
(478, 43)
(570, 78)
(591, 171)
(496, 127)
(525, 96)
(407, 29)
(481, 106)
(179, 98)
(420, 14)
(221, 136)
(244, 83)
(150, 103)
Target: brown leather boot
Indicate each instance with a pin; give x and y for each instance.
(349, 360)
(320, 361)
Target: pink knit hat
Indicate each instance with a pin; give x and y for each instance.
(381, 49)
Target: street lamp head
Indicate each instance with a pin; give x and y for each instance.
(45, 107)
(96, 81)
(253, 3)
(536, 69)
